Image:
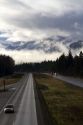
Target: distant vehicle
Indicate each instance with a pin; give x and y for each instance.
(12, 89)
(9, 108)
(55, 74)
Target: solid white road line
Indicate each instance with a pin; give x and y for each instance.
(27, 111)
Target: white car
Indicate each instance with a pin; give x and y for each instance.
(9, 108)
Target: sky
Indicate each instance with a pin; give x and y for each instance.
(38, 20)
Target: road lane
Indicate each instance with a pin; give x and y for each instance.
(25, 107)
(27, 110)
(8, 119)
(17, 85)
(74, 81)
(10, 90)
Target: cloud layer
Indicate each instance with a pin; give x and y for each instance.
(22, 20)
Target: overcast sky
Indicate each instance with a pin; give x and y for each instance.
(27, 20)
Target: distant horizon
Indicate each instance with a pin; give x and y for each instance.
(45, 60)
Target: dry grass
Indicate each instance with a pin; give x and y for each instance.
(10, 79)
(65, 101)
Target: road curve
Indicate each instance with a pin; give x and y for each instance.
(25, 107)
(74, 81)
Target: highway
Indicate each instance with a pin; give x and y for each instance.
(71, 80)
(24, 102)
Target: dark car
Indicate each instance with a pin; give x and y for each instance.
(9, 108)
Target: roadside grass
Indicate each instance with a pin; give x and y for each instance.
(11, 79)
(64, 101)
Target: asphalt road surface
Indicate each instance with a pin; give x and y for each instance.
(71, 80)
(24, 102)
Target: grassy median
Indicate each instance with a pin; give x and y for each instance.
(65, 101)
(11, 79)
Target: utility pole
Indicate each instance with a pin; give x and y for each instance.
(4, 84)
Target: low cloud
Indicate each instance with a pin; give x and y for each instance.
(30, 56)
(37, 20)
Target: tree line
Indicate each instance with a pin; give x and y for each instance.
(45, 66)
(65, 65)
(7, 65)
(69, 65)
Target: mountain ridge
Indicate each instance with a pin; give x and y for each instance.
(48, 45)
